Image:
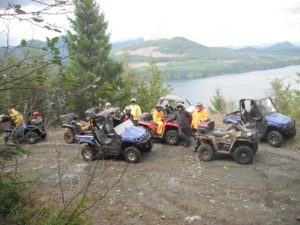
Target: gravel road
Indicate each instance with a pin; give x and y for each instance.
(171, 186)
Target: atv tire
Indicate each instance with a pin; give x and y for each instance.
(243, 155)
(149, 148)
(132, 154)
(32, 137)
(205, 152)
(172, 137)
(69, 136)
(87, 153)
(274, 138)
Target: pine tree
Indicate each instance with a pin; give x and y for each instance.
(91, 74)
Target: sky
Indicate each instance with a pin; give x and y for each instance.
(209, 22)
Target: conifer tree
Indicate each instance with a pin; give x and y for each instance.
(91, 74)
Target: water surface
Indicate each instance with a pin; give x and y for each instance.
(235, 86)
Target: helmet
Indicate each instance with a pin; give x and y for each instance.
(179, 104)
(107, 104)
(199, 104)
(36, 113)
(158, 106)
(133, 100)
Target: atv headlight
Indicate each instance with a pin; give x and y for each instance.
(249, 134)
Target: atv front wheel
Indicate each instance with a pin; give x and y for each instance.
(87, 153)
(243, 154)
(172, 137)
(274, 138)
(69, 136)
(132, 154)
(149, 147)
(205, 152)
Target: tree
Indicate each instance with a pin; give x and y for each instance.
(282, 95)
(219, 103)
(156, 87)
(91, 74)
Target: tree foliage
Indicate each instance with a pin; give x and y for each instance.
(219, 104)
(286, 99)
(91, 74)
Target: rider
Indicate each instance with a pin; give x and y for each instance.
(158, 116)
(127, 114)
(107, 105)
(36, 118)
(17, 119)
(135, 111)
(199, 115)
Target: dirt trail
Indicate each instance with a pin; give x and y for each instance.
(171, 186)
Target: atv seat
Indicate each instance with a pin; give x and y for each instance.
(153, 123)
(101, 137)
(218, 133)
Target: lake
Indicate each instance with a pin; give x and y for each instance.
(235, 86)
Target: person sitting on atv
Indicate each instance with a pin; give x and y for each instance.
(183, 118)
(158, 117)
(17, 119)
(127, 114)
(199, 115)
(107, 105)
(37, 119)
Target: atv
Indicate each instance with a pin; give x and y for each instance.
(170, 130)
(73, 126)
(32, 132)
(237, 140)
(107, 140)
(263, 115)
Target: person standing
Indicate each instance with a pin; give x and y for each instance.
(183, 118)
(158, 117)
(135, 111)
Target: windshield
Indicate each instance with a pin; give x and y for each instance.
(266, 106)
(121, 127)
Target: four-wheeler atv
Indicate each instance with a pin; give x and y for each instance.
(170, 130)
(32, 132)
(73, 126)
(238, 141)
(106, 140)
(264, 116)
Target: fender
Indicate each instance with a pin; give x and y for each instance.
(68, 126)
(175, 125)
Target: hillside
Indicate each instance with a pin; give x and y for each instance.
(180, 58)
